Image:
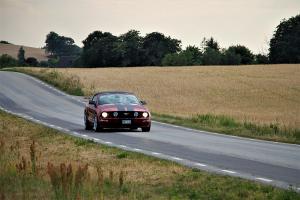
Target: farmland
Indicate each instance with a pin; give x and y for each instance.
(13, 50)
(257, 93)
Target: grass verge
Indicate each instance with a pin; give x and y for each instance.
(68, 84)
(229, 126)
(37, 162)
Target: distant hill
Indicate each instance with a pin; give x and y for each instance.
(12, 50)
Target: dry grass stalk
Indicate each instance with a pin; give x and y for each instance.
(33, 157)
(100, 177)
(2, 146)
(121, 179)
(54, 177)
(111, 175)
(21, 167)
(80, 175)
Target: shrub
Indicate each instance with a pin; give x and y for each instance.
(7, 61)
(31, 61)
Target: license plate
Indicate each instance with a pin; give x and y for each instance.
(126, 121)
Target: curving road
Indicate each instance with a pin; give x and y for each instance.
(268, 162)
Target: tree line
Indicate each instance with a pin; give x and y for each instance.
(103, 49)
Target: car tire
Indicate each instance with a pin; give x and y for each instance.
(96, 125)
(87, 123)
(146, 129)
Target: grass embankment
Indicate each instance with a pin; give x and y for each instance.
(37, 162)
(275, 131)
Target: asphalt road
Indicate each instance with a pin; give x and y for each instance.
(267, 162)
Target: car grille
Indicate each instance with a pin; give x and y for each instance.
(125, 114)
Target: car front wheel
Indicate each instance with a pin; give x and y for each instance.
(87, 124)
(97, 127)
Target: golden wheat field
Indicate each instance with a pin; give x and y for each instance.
(258, 93)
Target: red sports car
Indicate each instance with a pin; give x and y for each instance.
(116, 110)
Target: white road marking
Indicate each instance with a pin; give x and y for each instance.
(200, 164)
(137, 149)
(75, 133)
(176, 158)
(85, 135)
(155, 153)
(228, 171)
(123, 146)
(107, 142)
(96, 139)
(264, 179)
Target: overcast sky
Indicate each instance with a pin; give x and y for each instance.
(247, 22)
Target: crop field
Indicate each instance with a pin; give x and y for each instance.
(256, 93)
(13, 50)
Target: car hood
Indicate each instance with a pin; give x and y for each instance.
(123, 107)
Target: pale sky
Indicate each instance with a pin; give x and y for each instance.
(230, 22)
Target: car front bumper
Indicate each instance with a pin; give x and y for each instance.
(123, 123)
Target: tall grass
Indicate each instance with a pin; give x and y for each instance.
(228, 125)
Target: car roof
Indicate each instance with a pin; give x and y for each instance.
(113, 92)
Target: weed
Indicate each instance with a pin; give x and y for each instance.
(33, 157)
(121, 179)
(122, 155)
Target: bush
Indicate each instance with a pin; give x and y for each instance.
(7, 61)
(31, 61)
(44, 63)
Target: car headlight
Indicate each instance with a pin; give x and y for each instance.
(145, 114)
(135, 114)
(104, 114)
(115, 114)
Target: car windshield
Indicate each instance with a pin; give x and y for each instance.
(118, 99)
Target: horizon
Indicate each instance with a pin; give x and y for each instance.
(188, 21)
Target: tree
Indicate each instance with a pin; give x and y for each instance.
(210, 43)
(7, 61)
(231, 58)
(32, 61)
(130, 47)
(246, 56)
(4, 42)
(211, 57)
(285, 43)
(156, 45)
(101, 49)
(58, 45)
(21, 56)
(261, 59)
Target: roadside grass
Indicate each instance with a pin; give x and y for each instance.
(229, 126)
(66, 167)
(274, 131)
(69, 84)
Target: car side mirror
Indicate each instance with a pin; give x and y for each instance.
(143, 102)
(91, 102)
